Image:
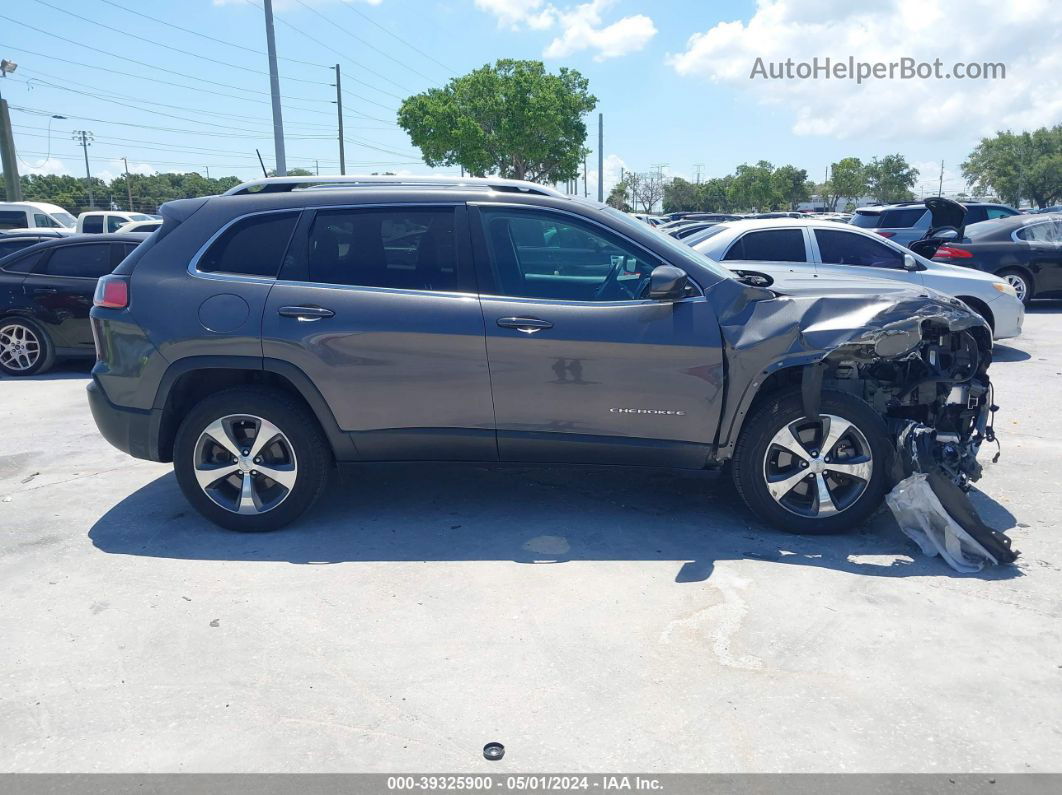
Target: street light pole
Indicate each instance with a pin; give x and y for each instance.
(274, 90)
(12, 184)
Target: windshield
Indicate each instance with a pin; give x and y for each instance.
(681, 250)
(704, 234)
(66, 219)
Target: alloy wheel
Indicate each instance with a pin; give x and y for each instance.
(245, 464)
(1019, 285)
(20, 348)
(818, 468)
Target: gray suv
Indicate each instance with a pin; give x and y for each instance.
(906, 222)
(262, 336)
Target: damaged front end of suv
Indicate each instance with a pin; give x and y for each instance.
(919, 359)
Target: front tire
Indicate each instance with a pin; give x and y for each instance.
(251, 459)
(813, 476)
(25, 347)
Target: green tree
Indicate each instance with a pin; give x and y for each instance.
(681, 195)
(1016, 166)
(792, 185)
(715, 194)
(514, 119)
(890, 178)
(293, 172)
(617, 197)
(848, 180)
(752, 188)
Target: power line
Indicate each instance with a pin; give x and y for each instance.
(160, 81)
(395, 36)
(205, 36)
(142, 63)
(358, 38)
(174, 49)
(342, 55)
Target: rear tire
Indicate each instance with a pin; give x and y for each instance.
(25, 347)
(815, 491)
(224, 468)
(1020, 281)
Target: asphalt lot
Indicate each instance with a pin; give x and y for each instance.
(589, 619)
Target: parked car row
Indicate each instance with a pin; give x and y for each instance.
(40, 216)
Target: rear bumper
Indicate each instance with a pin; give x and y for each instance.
(132, 431)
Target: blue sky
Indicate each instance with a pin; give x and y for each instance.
(671, 78)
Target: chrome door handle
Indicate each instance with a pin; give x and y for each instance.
(305, 313)
(528, 325)
(44, 291)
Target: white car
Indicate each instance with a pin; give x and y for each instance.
(149, 225)
(34, 215)
(799, 253)
(95, 222)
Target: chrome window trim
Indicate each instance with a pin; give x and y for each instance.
(193, 265)
(1023, 227)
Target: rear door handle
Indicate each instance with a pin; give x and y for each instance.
(305, 313)
(44, 290)
(528, 325)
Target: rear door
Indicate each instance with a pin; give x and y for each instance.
(377, 306)
(60, 290)
(846, 256)
(584, 368)
(781, 253)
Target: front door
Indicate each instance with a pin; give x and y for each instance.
(583, 367)
(376, 305)
(847, 256)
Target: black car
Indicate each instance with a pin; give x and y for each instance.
(46, 291)
(10, 242)
(1026, 250)
(261, 336)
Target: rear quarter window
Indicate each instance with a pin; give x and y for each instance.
(252, 246)
(901, 219)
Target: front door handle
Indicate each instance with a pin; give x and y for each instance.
(44, 291)
(305, 313)
(528, 325)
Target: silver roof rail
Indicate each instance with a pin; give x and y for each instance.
(286, 184)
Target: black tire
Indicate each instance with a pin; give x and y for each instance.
(1009, 274)
(46, 353)
(785, 408)
(292, 418)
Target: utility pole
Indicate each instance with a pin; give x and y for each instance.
(207, 168)
(660, 169)
(274, 90)
(129, 187)
(698, 166)
(601, 157)
(12, 185)
(940, 185)
(586, 193)
(316, 168)
(339, 110)
(84, 137)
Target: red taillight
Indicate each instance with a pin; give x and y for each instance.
(112, 292)
(950, 252)
(885, 234)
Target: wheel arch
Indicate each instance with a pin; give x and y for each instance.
(1024, 270)
(981, 308)
(187, 381)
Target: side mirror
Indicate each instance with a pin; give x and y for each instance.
(910, 263)
(667, 283)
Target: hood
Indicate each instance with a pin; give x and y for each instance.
(764, 330)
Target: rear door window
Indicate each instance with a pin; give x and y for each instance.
(901, 219)
(252, 246)
(93, 224)
(770, 245)
(114, 222)
(87, 261)
(850, 248)
(11, 246)
(23, 264)
(975, 215)
(409, 248)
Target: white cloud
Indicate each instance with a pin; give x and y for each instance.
(49, 166)
(579, 27)
(1024, 36)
